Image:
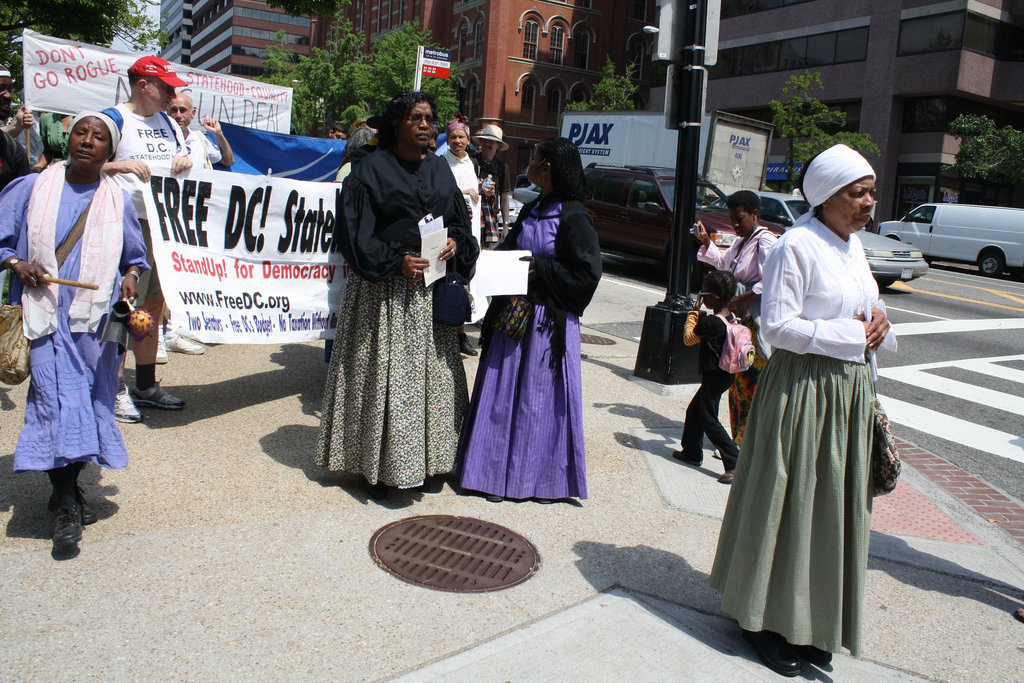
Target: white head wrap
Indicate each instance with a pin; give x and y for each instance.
(831, 171)
(115, 133)
(4, 71)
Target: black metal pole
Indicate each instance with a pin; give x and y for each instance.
(662, 356)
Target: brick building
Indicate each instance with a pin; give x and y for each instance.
(522, 60)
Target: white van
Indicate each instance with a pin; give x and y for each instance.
(991, 236)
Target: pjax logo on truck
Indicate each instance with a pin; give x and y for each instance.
(591, 138)
(740, 142)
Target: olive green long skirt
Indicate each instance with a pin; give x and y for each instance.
(793, 550)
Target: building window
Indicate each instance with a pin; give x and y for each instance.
(463, 41)
(478, 39)
(836, 47)
(639, 9)
(528, 95)
(471, 101)
(530, 39)
(557, 43)
(582, 41)
(579, 93)
(583, 3)
(735, 8)
(554, 99)
(931, 34)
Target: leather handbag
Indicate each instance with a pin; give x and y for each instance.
(451, 299)
(885, 459)
(14, 346)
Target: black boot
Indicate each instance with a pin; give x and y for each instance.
(88, 514)
(464, 346)
(67, 531)
(774, 652)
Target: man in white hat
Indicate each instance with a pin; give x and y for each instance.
(489, 141)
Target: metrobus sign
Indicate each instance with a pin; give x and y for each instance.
(436, 63)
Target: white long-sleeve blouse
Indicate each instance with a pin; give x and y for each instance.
(814, 284)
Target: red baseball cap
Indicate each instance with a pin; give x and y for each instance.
(158, 68)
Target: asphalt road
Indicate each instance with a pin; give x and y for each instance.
(956, 385)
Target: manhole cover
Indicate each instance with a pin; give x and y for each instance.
(457, 554)
(594, 339)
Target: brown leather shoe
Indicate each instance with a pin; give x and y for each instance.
(726, 478)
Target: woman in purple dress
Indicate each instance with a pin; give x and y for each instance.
(524, 432)
(69, 414)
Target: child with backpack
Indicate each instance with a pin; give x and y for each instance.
(712, 332)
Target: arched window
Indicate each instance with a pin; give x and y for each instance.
(528, 95)
(557, 44)
(478, 39)
(463, 40)
(582, 41)
(635, 56)
(530, 31)
(554, 99)
(579, 93)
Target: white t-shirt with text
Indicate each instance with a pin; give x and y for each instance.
(154, 139)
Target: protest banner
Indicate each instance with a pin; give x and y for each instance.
(67, 76)
(247, 259)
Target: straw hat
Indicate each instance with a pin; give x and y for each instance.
(491, 132)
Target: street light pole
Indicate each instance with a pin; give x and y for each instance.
(662, 356)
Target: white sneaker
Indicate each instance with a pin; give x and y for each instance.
(180, 344)
(161, 348)
(124, 408)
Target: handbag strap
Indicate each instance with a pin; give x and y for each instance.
(72, 239)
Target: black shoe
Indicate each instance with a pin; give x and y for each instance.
(491, 498)
(689, 459)
(378, 491)
(67, 532)
(774, 652)
(88, 514)
(464, 346)
(813, 655)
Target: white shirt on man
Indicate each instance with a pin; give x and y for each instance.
(155, 139)
(203, 151)
(814, 285)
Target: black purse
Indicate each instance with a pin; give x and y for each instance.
(451, 299)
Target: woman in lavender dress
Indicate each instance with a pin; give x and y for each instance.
(69, 413)
(524, 432)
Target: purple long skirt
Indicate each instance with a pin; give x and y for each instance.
(523, 436)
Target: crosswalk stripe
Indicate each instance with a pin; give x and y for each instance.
(983, 366)
(954, 429)
(946, 326)
(950, 387)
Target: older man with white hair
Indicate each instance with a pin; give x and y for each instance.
(203, 152)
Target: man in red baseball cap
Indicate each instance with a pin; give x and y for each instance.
(158, 68)
(148, 138)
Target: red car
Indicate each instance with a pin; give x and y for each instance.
(632, 210)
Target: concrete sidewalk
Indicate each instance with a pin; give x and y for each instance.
(222, 553)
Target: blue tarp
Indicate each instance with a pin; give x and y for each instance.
(286, 156)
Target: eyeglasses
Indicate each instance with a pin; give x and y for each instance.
(417, 119)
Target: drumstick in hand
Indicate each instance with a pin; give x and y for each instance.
(70, 283)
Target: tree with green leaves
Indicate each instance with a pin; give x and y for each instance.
(340, 83)
(986, 152)
(90, 21)
(801, 120)
(611, 93)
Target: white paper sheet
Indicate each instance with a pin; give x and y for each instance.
(500, 272)
(433, 238)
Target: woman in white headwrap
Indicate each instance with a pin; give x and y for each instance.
(793, 549)
(69, 413)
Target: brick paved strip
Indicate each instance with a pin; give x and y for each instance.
(990, 503)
